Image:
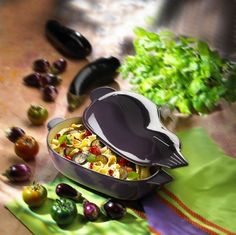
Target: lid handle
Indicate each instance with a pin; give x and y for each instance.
(54, 122)
(170, 156)
(100, 91)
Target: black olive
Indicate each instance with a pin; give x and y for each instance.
(68, 41)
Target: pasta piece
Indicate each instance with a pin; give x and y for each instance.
(76, 125)
(76, 150)
(111, 160)
(92, 138)
(97, 166)
(78, 136)
(103, 171)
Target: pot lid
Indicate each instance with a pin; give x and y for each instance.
(129, 124)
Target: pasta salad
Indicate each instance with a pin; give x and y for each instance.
(81, 146)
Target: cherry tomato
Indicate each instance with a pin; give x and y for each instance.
(95, 150)
(87, 133)
(122, 162)
(34, 195)
(37, 114)
(26, 147)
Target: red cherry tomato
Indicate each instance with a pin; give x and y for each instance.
(68, 157)
(87, 133)
(95, 150)
(122, 162)
(26, 147)
(111, 172)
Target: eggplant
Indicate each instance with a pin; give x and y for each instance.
(99, 72)
(91, 210)
(69, 42)
(18, 173)
(14, 133)
(67, 191)
(114, 209)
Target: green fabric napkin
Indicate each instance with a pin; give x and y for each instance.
(205, 191)
(39, 221)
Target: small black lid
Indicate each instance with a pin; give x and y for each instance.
(129, 124)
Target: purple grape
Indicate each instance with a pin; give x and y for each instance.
(50, 79)
(59, 66)
(91, 210)
(49, 93)
(33, 80)
(41, 66)
(14, 133)
(114, 210)
(18, 173)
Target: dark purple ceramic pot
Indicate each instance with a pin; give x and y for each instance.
(130, 126)
(121, 189)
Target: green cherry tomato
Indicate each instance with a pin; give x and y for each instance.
(34, 195)
(37, 114)
(64, 211)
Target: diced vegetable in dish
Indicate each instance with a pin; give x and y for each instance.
(77, 144)
(181, 72)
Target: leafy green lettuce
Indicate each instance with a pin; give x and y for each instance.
(181, 72)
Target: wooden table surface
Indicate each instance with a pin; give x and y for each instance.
(22, 40)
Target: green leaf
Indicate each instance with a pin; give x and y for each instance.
(180, 71)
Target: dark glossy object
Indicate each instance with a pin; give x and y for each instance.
(117, 188)
(91, 210)
(59, 66)
(65, 190)
(33, 80)
(114, 210)
(18, 173)
(49, 93)
(41, 66)
(99, 72)
(14, 133)
(138, 135)
(69, 42)
(50, 79)
(64, 211)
